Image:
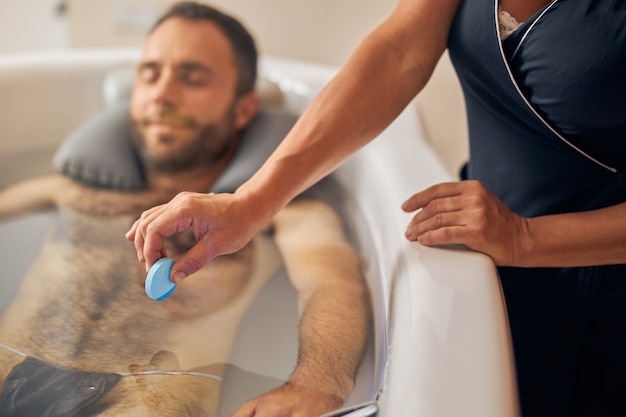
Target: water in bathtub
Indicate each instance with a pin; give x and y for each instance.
(81, 337)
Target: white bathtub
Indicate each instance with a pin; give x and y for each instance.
(441, 344)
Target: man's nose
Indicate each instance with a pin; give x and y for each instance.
(166, 90)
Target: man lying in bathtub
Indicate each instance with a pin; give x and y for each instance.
(81, 338)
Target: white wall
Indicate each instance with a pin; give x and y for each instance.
(324, 31)
(442, 112)
(29, 25)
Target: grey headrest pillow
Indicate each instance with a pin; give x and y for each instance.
(101, 152)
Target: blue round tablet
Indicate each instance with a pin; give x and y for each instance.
(158, 284)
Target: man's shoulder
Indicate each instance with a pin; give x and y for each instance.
(307, 213)
(102, 201)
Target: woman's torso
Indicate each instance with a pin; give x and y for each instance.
(546, 108)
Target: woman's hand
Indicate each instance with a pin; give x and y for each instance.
(221, 224)
(469, 214)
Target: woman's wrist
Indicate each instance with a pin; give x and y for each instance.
(261, 204)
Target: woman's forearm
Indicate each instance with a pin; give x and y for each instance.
(383, 75)
(596, 237)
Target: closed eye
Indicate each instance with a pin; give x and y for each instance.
(194, 74)
(148, 72)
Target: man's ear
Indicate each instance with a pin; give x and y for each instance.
(246, 108)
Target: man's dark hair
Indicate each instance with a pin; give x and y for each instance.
(242, 42)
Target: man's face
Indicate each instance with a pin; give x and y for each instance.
(183, 102)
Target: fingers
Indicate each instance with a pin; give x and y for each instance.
(130, 235)
(285, 401)
(441, 229)
(449, 213)
(152, 227)
(421, 199)
(246, 410)
(219, 223)
(466, 213)
(191, 262)
(137, 232)
(441, 206)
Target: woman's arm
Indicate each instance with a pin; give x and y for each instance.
(467, 213)
(387, 70)
(595, 237)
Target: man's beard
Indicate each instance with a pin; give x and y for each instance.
(210, 144)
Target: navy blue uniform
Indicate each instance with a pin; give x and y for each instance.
(547, 125)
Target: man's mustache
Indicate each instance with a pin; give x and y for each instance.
(170, 117)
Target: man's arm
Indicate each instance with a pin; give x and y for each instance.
(29, 196)
(324, 269)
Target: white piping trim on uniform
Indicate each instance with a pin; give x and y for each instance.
(531, 28)
(519, 91)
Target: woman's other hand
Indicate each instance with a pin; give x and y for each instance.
(469, 214)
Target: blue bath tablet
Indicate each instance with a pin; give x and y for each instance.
(158, 284)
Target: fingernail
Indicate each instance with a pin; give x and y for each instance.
(178, 277)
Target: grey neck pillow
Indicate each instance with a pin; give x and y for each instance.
(101, 152)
